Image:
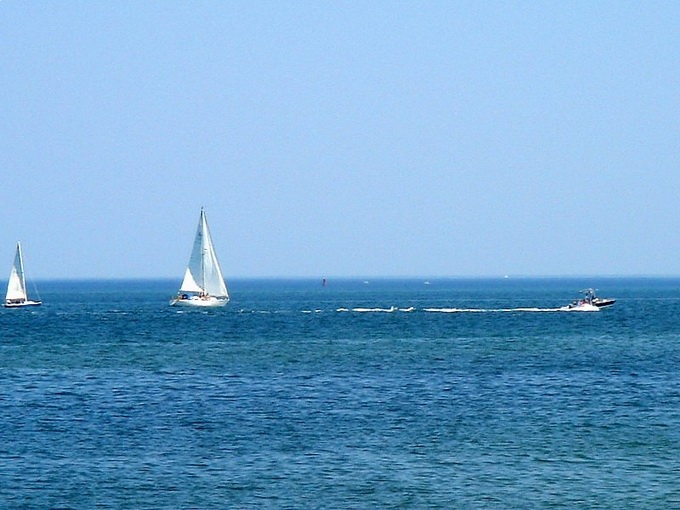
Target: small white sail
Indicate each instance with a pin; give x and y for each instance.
(16, 287)
(203, 275)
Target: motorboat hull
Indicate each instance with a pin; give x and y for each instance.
(602, 302)
(582, 307)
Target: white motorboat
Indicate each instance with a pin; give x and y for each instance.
(590, 302)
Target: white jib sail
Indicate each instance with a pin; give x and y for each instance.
(16, 288)
(203, 273)
(189, 284)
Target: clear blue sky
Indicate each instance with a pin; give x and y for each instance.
(341, 138)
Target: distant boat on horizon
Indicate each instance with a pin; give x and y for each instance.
(203, 283)
(17, 296)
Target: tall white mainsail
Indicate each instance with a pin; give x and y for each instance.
(203, 274)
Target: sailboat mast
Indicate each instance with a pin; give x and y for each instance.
(203, 249)
(21, 268)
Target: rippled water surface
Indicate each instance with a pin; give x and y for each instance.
(388, 393)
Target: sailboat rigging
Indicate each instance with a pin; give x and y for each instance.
(203, 283)
(16, 287)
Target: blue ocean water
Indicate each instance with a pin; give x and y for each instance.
(378, 394)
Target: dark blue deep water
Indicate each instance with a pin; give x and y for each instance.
(290, 398)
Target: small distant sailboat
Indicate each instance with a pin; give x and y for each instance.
(203, 283)
(16, 287)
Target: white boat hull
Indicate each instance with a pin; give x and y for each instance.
(206, 302)
(582, 307)
(22, 304)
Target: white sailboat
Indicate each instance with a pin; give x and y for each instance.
(203, 283)
(16, 287)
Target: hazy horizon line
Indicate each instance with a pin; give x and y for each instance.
(371, 277)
